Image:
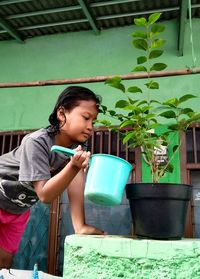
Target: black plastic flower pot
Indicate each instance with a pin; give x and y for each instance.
(159, 210)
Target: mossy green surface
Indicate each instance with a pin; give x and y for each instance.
(112, 257)
(82, 264)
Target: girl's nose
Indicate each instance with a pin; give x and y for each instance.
(90, 126)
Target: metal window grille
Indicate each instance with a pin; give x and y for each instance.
(193, 146)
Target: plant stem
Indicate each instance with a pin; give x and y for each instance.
(163, 170)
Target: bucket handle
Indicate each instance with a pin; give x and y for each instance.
(61, 149)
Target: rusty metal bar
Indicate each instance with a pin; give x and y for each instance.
(194, 144)
(3, 144)
(193, 166)
(189, 222)
(53, 234)
(101, 142)
(11, 142)
(164, 73)
(16, 132)
(118, 145)
(18, 140)
(92, 142)
(109, 142)
(126, 151)
(59, 235)
(185, 179)
(189, 232)
(183, 158)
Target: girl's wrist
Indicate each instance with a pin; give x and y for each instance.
(73, 168)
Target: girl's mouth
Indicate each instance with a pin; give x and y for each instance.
(86, 135)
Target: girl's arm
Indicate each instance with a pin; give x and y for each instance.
(48, 190)
(71, 177)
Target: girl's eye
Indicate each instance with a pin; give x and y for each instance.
(86, 117)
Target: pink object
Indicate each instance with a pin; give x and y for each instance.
(12, 227)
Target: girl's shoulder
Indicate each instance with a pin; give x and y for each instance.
(41, 137)
(38, 134)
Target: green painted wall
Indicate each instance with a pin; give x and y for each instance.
(83, 54)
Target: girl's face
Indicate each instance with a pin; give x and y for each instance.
(77, 124)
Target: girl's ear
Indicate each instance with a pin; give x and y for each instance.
(61, 114)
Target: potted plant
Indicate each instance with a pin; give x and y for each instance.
(158, 209)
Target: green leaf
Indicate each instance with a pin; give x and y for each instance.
(175, 147)
(140, 69)
(120, 117)
(141, 59)
(140, 21)
(127, 123)
(114, 129)
(158, 67)
(158, 43)
(140, 34)
(131, 108)
(155, 53)
(112, 112)
(168, 114)
(128, 137)
(134, 89)
(153, 18)
(132, 102)
(121, 104)
(154, 101)
(170, 168)
(104, 122)
(142, 102)
(152, 85)
(146, 108)
(156, 30)
(130, 114)
(140, 44)
(186, 97)
(103, 109)
(194, 118)
(174, 127)
(187, 111)
(135, 110)
(172, 102)
(116, 83)
(151, 116)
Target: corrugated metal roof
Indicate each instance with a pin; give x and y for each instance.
(22, 19)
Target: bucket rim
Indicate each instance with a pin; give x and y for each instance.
(112, 156)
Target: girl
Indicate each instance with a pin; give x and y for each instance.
(31, 172)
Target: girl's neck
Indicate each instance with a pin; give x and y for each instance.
(63, 141)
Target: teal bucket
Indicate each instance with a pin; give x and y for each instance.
(106, 179)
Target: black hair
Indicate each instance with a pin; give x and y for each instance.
(69, 99)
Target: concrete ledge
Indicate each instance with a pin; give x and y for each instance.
(113, 257)
(126, 247)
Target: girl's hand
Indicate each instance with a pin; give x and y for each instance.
(81, 158)
(87, 229)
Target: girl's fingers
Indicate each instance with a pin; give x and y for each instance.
(81, 159)
(85, 163)
(78, 155)
(78, 148)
